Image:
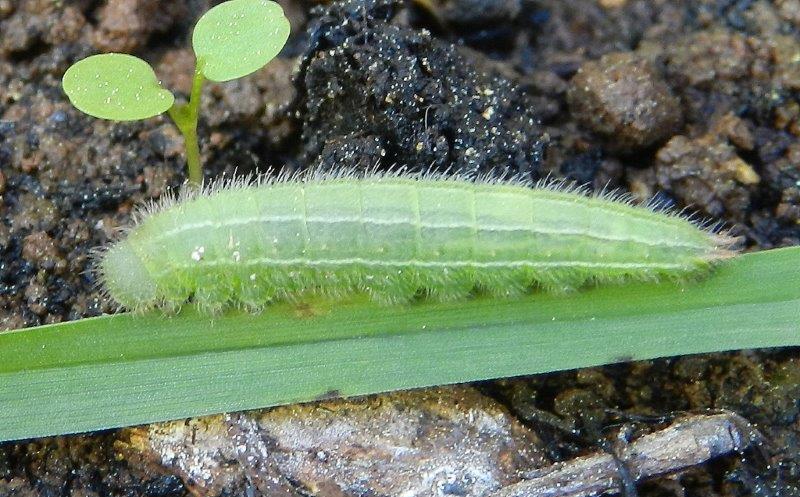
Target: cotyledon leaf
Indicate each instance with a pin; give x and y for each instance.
(239, 37)
(116, 86)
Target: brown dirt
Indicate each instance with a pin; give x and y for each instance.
(707, 114)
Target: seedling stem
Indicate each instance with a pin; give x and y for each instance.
(185, 117)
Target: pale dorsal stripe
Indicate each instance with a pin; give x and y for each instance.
(387, 222)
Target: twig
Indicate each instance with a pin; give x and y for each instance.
(692, 441)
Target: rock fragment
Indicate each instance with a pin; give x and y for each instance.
(440, 441)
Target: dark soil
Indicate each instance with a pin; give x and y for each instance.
(696, 101)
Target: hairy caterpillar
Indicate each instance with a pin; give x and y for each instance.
(394, 236)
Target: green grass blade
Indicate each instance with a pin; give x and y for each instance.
(122, 370)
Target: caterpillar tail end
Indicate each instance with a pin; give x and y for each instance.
(726, 246)
(125, 277)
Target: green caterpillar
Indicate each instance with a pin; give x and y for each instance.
(396, 237)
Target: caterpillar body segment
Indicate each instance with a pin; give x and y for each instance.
(394, 237)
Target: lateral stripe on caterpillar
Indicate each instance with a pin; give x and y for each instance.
(394, 236)
(358, 261)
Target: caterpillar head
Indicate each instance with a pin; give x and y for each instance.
(125, 276)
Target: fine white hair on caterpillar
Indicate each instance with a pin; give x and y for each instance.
(395, 236)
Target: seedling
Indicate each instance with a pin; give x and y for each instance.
(232, 40)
